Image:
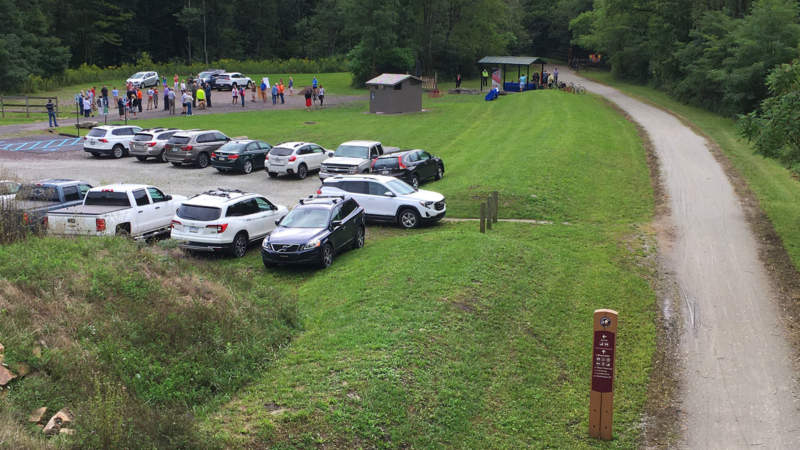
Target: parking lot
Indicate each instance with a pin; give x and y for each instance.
(184, 180)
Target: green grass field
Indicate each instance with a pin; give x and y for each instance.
(437, 337)
(778, 192)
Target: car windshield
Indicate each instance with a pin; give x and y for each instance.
(352, 151)
(142, 137)
(400, 187)
(232, 147)
(139, 75)
(36, 193)
(202, 213)
(280, 151)
(165, 136)
(8, 187)
(306, 218)
(387, 163)
(179, 140)
(107, 198)
(96, 132)
(203, 74)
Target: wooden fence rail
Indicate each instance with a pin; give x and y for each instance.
(24, 104)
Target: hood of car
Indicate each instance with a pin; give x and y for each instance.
(425, 196)
(344, 161)
(284, 235)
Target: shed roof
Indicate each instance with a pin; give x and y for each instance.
(512, 60)
(390, 79)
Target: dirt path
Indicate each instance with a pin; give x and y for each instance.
(739, 389)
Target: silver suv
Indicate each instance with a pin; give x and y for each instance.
(150, 143)
(194, 147)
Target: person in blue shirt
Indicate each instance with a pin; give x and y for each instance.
(274, 94)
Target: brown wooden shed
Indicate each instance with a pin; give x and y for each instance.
(393, 93)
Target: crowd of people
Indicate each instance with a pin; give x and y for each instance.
(192, 94)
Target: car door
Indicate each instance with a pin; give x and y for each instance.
(427, 165)
(265, 217)
(251, 216)
(359, 190)
(382, 204)
(217, 140)
(339, 235)
(259, 154)
(162, 213)
(144, 212)
(316, 157)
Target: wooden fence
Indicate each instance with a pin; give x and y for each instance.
(24, 104)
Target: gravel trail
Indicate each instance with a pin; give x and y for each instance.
(739, 386)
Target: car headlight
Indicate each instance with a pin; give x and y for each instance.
(313, 244)
(427, 204)
(265, 244)
(352, 170)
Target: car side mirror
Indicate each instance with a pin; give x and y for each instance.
(168, 198)
(330, 154)
(336, 223)
(278, 221)
(388, 194)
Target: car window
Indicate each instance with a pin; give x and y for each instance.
(141, 197)
(205, 138)
(83, 188)
(373, 152)
(304, 217)
(376, 188)
(338, 213)
(281, 151)
(251, 147)
(221, 137)
(235, 210)
(264, 204)
(71, 194)
(413, 156)
(156, 195)
(264, 145)
(96, 132)
(316, 149)
(140, 137)
(424, 156)
(121, 132)
(380, 147)
(356, 187)
(348, 207)
(165, 136)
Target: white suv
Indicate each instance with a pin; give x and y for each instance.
(295, 158)
(114, 140)
(387, 199)
(224, 219)
(229, 79)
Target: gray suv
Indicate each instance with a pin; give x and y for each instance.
(193, 147)
(150, 143)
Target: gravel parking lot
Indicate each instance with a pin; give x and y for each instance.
(184, 180)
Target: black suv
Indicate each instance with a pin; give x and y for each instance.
(411, 166)
(314, 231)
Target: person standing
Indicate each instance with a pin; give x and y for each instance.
(458, 81)
(149, 99)
(121, 107)
(484, 78)
(263, 91)
(194, 94)
(171, 101)
(253, 89)
(274, 94)
(201, 98)
(314, 86)
(115, 94)
(307, 95)
(175, 81)
(139, 98)
(555, 75)
(522, 82)
(187, 103)
(87, 107)
(51, 113)
(183, 86)
(166, 98)
(234, 94)
(242, 94)
(321, 95)
(155, 98)
(291, 86)
(208, 94)
(79, 102)
(104, 93)
(280, 90)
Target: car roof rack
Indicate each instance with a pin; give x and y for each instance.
(335, 198)
(222, 192)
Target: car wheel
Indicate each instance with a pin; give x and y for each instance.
(415, 182)
(326, 256)
(273, 174)
(118, 151)
(202, 160)
(358, 242)
(247, 167)
(239, 246)
(142, 158)
(408, 218)
(163, 156)
(439, 172)
(302, 171)
(123, 231)
(176, 164)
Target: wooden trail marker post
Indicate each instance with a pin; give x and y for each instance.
(483, 217)
(489, 213)
(495, 200)
(601, 397)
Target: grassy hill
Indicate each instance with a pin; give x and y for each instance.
(434, 337)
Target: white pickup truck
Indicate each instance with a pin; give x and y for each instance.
(353, 157)
(135, 210)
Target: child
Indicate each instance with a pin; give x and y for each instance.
(234, 95)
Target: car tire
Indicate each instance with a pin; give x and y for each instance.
(123, 231)
(142, 158)
(176, 164)
(273, 174)
(414, 181)
(247, 167)
(439, 172)
(202, 160)
(326, 255)
(163, 156)
(358, 242)
(408, 218)
(239, 245)
(118, 151)
(302, 171)
(221, 170)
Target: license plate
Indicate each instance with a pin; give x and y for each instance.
(71, 220)
(92, 141)
(194, 229)
(223, 158)
(174, 149)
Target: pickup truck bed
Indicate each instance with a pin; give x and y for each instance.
(91, 210)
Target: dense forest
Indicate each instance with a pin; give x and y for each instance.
(715, 53)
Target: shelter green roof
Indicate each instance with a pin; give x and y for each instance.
(512, 60)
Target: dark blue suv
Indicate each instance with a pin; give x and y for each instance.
(314, 231)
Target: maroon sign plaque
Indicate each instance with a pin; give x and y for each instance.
(601, 397)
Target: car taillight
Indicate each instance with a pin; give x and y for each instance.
(266, 157)
(233, 156)
(187, 148)
(25, 218)
(173, 223)
(220, 228)
(100, 224)
(45, 222)
(319, 191)
(104, 140)
(400, 162)
(213, 155)
(151, 144)
(292, 158)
